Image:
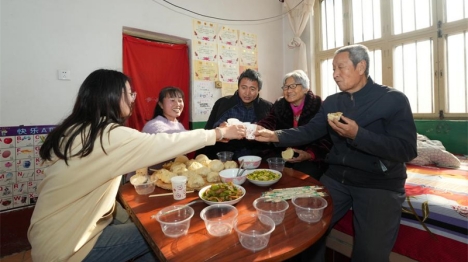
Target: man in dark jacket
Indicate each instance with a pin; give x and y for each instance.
(371, 144)
(246, 106)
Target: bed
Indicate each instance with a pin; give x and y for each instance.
(434, 224)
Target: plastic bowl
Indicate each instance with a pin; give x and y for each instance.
(219, 219)
(250, 162)
(144, 189)
(254, 230)
(274, 208)
(231, 202)
(309, 208)
(263, 182)
(175, 220)
(225, 156)
(143, 185)
(230, 175)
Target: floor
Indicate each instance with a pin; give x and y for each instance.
(24, 256)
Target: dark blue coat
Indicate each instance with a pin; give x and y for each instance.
(386, 137)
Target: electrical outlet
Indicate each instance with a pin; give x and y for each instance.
(64, 74)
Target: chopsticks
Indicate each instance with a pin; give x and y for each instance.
(167, 194)
(288, 193)
(240, 171)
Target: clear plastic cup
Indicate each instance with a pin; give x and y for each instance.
(254, 230)
(276, 163)
(219, 219)
(175, 220)
(309, 208)
(224, 156)
(274, 208)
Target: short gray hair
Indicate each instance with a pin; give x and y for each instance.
(299, 76)
(357, 53)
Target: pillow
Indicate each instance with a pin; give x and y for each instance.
(433, 152)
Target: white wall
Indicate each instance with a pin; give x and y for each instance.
(40, 37)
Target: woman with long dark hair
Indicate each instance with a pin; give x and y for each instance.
(86, 155)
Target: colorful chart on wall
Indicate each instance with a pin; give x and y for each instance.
(218, 56)
(21, 168)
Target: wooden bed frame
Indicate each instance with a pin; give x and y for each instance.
(441, 236)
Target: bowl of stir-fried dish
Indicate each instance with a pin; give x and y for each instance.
(263, 177)
(222, 193)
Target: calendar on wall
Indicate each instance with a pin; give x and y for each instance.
(21, 168)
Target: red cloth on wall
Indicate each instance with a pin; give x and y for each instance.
(152, 66)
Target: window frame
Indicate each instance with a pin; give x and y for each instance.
(388, 42)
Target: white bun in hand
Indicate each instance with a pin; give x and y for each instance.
(288, 153)
(333, 116)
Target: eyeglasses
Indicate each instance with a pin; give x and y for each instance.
(291, 86)
(132, 94)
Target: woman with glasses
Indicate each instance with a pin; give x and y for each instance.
(86, 155)
(295, 108)
(169, 107)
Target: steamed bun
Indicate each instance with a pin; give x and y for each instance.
(203, 171)
(181, 159)
(194, 166)
(195, 181)
(216, 165)
(230, 164)
(164, 175)
(178, 167)
(213, 177)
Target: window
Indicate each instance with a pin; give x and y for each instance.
(420, 47)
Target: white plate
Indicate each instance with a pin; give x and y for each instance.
(232, 202)
(263, 183)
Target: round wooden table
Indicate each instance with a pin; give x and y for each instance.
(288, 239)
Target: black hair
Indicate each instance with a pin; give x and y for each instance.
(253, 76)
(168, 91)
(97, 105)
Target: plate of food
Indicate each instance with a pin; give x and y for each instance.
(200, 171)
(263, 177)
(222, 193)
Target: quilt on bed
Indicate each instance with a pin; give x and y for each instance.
(439, 197)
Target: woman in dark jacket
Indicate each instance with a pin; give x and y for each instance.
(297, 106)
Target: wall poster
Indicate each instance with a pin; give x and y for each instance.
(218, 56)
(204, 95)
(21, 168)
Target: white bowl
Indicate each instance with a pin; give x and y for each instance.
(230, 175)
(264, 182)
(231, 202)
(250, 162)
